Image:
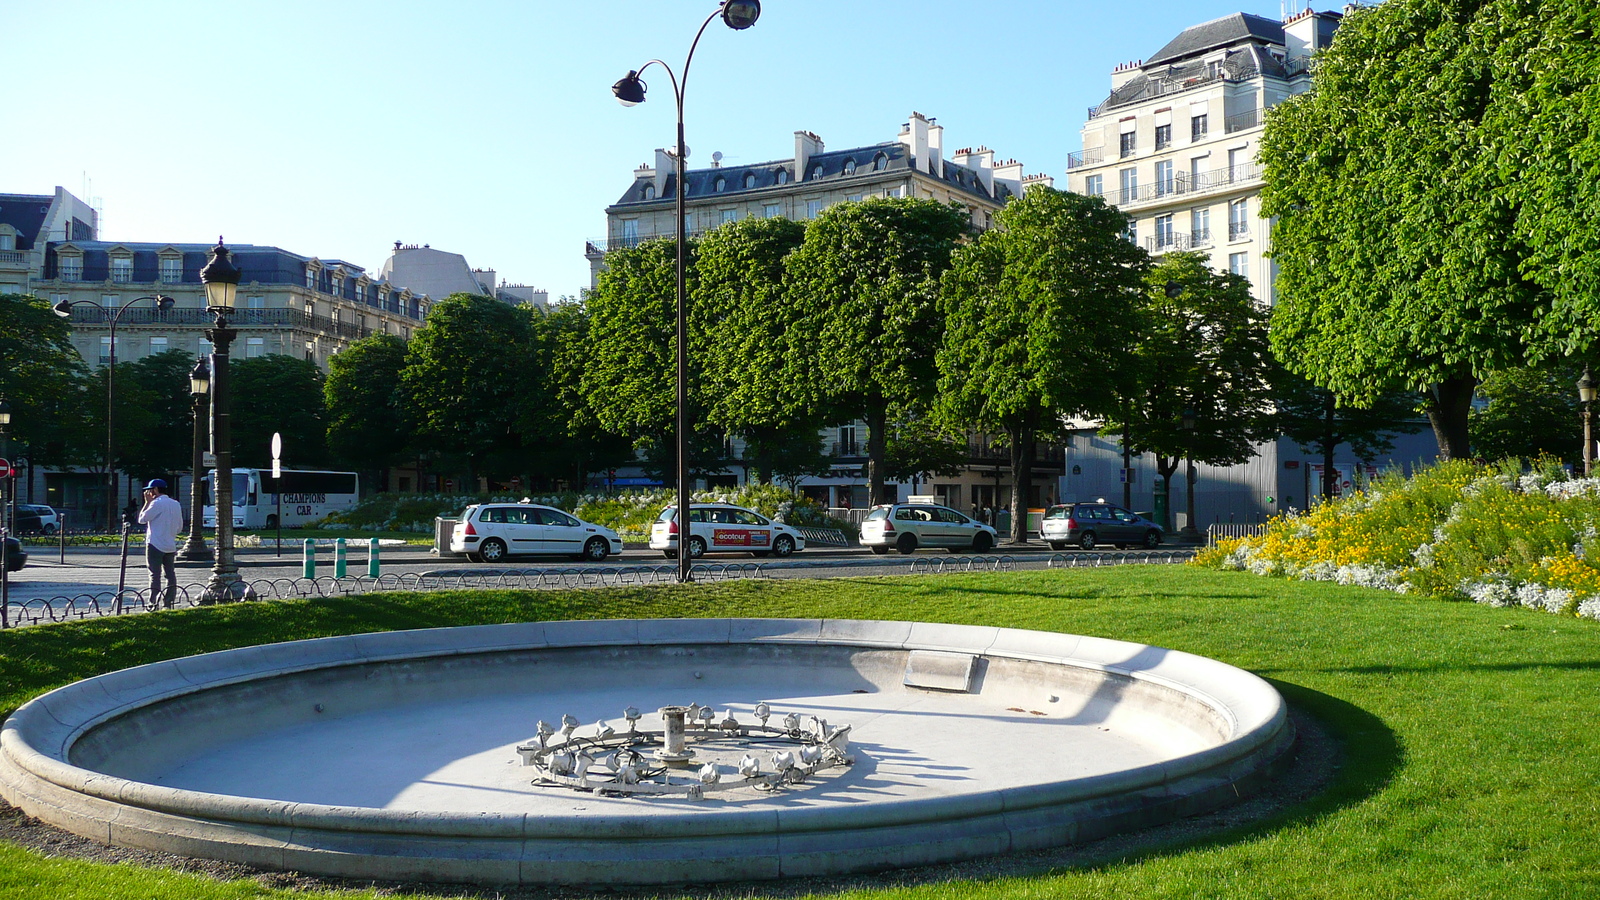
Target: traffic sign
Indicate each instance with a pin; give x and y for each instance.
(5, 469)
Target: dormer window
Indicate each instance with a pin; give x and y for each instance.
(880, 162)
(749, 180)
(849, 167)
(649, 192)
(816, 172)
(70, 267)
(122, 269)
(782, 176)
(171, 269)
(720, 185)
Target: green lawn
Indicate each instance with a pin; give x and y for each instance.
(1470, 766)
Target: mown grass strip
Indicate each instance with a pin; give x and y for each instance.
(1469, 766)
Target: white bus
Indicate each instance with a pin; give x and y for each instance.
(307, 497)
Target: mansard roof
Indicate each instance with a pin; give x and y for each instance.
(1224, 32)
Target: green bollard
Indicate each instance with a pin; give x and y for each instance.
(308, 569)
(338, 558)
(372, 558)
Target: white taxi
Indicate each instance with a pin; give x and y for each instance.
(722, 528)
(490, 532)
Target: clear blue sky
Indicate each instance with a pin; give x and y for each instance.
(336, 128)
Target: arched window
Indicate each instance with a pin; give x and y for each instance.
(849, 167)
(649, 192)
(880, 162)
(749, 180)
(816, 172)
(720, 185)
(782, 176)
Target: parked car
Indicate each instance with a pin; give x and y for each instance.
(1091, 524)
(907, 526)
(490, 532)
(49, 519)
(16, 557)
(721, 527)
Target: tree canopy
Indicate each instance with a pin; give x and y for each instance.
(369, 425)
(278, 394)
(43, 378)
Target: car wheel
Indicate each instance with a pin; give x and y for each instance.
(596, 550)
(880, 550)
(473, 557)
(783, 546)
(1086, 540)
(272, 522)
(907, 543)
(697, 547)
(670, 554)
(981, 542)
(49, 529)
(1152, 539)
(492, 551)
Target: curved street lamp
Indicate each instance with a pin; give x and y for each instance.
(64, 310)
(630, 91)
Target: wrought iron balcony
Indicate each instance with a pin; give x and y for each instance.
(1187, 184)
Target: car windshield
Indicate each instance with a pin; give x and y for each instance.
(881, 512)
(668, 514)
(1059, 512)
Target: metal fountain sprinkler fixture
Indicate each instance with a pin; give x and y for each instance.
(645, 760)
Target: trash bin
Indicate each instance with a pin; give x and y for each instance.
(441, 536)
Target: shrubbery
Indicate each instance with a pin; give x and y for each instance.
(1492, 534)
(629, 512)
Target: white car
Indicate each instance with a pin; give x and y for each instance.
(490, 532)
(720, 527)
(907, 526)
(49, 519)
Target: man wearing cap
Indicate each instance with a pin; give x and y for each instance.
(162, 517)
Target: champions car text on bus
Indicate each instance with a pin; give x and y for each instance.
(307, 497)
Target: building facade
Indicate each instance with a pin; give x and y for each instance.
(800, 187)
(439, 273)
(1174, 146)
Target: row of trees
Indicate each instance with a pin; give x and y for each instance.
(1436, 207)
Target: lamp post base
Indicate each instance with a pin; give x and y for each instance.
(226, 589)
(195, 550)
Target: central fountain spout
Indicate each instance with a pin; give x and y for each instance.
(675, 752)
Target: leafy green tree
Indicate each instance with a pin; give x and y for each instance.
(278, 394)
(1314, 419)
(576, 444)
(738, 322)
(369, 423)
(1531, 412)
(1396, 246)
(1037, 318)
(45, 381)
(470, 370)
(867, 325)
(1203, 389)
(166, 443)
(919, 448)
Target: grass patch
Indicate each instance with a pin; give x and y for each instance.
(1469, 747)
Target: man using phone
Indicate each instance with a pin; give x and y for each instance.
(162, 517)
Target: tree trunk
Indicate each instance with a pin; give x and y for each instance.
(877, 455)
(1127, 464)
(1447, 406)
(1191, 526)
(1330, 440)
(1022, 481)
(1166, 467)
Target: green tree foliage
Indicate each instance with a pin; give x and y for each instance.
(470, 371)
(738, 322)
(574, 444)
(1314, 419)
(369, 423)
(1395, 242)
(867, 326)
(1203, 355)
(1038, 314)
(278, 394)
(1531, 412)
(155, 418)
(45, 381)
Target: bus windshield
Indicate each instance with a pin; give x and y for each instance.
(241, 488)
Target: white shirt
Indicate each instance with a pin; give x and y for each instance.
(163, 517)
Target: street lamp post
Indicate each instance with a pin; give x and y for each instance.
(199, 390)
(1188, 531)
(1586, 393)
(221, 280)
(64, 309)
(630, 91)
(5, 532)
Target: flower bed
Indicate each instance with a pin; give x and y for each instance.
(1491, 534)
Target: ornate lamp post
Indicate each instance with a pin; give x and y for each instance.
(221, 280)
(630, 91)
(200, 390)
(1188, 531)
(5, 531)
(64, 310)
(1586, 393)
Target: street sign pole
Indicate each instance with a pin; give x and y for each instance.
(277, 487)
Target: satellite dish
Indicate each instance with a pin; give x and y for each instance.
(716, 156)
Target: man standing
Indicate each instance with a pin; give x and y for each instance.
(162, 517)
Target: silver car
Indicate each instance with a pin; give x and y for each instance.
(907, 526)
(1089, 525)
(490, 532)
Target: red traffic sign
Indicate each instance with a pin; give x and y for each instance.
(5, 469)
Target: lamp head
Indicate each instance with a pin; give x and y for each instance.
(5, 412)
(1188, 418)
(221, 279)
(1587, 386)
(741, 14)
(163, 302)
(200, 378)
(63, 308)
(630, 90)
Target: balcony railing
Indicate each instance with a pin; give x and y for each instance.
(246, 318)
(13, 257)
(1241, 121)
(847, 448)
(1238, 230)
(982, 453)
(1086, 158)
(1186, 184)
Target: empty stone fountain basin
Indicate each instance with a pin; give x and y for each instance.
(393, 755)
